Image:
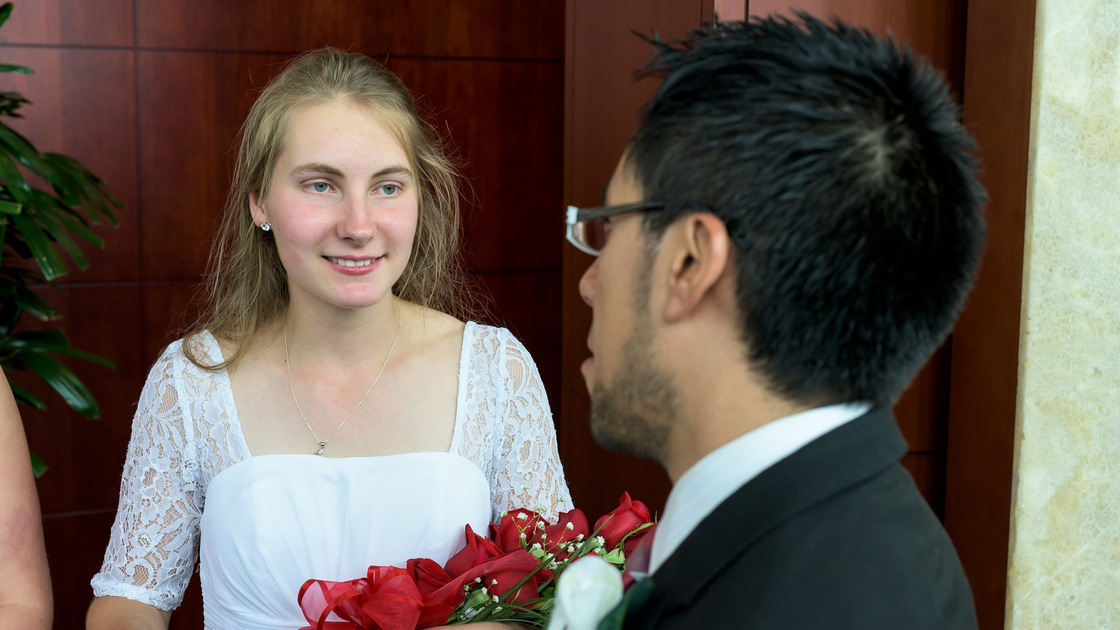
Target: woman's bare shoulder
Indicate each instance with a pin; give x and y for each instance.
(433, 328)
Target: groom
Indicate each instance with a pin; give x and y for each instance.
(792, 232)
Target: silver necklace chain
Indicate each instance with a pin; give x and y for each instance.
(288, 367)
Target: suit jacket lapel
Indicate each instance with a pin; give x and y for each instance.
(828, 465)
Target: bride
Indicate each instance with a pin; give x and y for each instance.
(324, 415)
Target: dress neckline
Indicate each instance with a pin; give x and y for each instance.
(213, 350)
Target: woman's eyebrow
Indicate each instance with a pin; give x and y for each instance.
(316, 167)
(395, 169)
(326, 169)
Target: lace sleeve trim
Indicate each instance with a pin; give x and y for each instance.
(507, 427)
(103, 587)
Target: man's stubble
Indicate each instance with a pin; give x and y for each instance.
(635, 412)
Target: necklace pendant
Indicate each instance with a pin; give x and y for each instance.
(322, 445)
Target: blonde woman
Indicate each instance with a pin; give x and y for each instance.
(25, 586)
(325, 414)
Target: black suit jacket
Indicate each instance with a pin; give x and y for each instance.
(834, 536)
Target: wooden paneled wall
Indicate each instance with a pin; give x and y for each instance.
(150, 96)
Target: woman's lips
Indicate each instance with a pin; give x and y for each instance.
(354, 266)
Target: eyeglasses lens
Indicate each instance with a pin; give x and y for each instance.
(594, 233)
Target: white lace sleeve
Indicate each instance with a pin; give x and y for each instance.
(154, 541)
(526, 469)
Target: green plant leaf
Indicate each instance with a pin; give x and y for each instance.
(33, 338)
(13, 180)
(7, 67)
(38, 467)
(81, 188)
(66, 217)
(63, 381)
(25, 397)
(50, 263)
(26, 153)
(63, 238)
(5, 11)
(50, 340)
(10, 207)
(33, 303)
(79, 354)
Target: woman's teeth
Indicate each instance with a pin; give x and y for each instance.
(346, 262)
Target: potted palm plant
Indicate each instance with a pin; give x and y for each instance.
(37, 226)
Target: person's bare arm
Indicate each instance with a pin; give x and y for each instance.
(120, 613)
(25, 584)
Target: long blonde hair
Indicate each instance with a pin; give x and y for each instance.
(246, 286)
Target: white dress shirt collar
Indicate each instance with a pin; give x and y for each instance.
(720, 473)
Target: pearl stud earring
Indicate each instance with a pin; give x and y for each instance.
(266, 226)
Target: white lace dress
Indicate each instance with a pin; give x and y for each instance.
(262, 525)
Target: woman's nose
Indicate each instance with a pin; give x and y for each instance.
(358, 220)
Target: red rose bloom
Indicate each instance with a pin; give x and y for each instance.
(477, 551)
(508, 533)
(631, 543)
(441, 594)
(499, 576)
(568, 528)
(628, 516)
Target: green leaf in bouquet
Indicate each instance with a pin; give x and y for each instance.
(7, 67)
(63, 381)
(25, 397)
(50, 263)
(5, 12)
(616, 557)
(10, 207)
(38, 467)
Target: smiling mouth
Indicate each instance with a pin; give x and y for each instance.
(347, 262)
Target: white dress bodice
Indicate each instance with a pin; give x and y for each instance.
(262, 525)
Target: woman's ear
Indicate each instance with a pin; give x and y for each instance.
(256, 209)
(702, 255)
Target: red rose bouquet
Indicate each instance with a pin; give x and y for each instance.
(511, 575)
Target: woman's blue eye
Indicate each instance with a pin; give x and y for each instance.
(321, 187)
(390, 189)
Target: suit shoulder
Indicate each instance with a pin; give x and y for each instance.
(872, 556)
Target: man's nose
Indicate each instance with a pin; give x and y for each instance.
(587, 283)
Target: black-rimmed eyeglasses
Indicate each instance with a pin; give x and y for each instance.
(588, 228)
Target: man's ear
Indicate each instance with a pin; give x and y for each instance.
(702, 255)
(256, 209)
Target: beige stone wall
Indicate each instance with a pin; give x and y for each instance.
(1065, 545)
